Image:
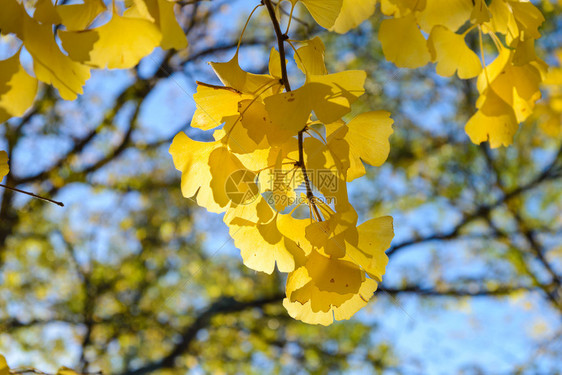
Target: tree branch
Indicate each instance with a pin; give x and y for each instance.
(225, 305)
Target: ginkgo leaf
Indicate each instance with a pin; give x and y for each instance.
(352, 14)
(457, 11)
(502, 20)
(528, 18)
(230, 182)
(345, 88)
(292, 109)
(324, 12)
(214, 104)
(80, 16)
(525, 52)
(269, 239)
(324, 289)
(366, 138)
(480, 12)
(46, 13)
(119, 44)
(452, 54)
(4, 170)
(295, 229)
(17, 88)
(259, 125)
(262, 246)
(140, 9)
(50, 64)
(310, 57)
(329, 96)
(4, 369)
(375, 236)
(403, 43)
(232, 75)
(161, 13)
(191, 158)
(274, 65)
(518, 86)
(11, 18)
(172, 33)
(495, 121)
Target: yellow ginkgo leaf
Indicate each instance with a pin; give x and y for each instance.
(231, 75)
(231, 183)
(452, 54)
(46, 13)
(352, 14)
(214, 104)
(292, 109)
(517, 85)
(50, 64)
(191, 158)
(368, 135)
(495, 121)
(365, 138)
(172, 33)
(80, 16)
(310, 57)
(119, 44)
(325, 288)
(4, 170)
(345, 88)
(330, 97)
(528, 18)
(375, 236)
(263, 247)
(480, 12)
(294, 229)
(403, 43)
(11, 18)
(324, 12)
(4, 369)
(17, 88)
(259, 125)
(502, 20)
(274, 65)
(140, 9)
(160, 12)
(267, 239)
(457, 11)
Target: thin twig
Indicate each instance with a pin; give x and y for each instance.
(32, 195)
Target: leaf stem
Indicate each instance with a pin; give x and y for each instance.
(281, 38)
(32, 195)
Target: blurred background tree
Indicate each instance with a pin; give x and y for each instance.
(132, 278)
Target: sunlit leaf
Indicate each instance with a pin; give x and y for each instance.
(17, 88)
(119, 44)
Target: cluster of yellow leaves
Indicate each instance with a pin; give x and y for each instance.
(5, 370)
(118, 44)
(508, 86)
(333, 264)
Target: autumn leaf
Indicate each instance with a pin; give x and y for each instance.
(17, 88)
(119, 44)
